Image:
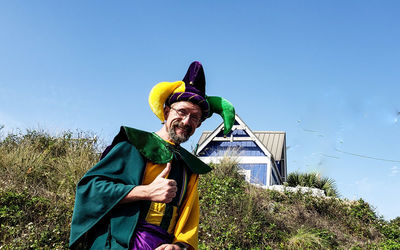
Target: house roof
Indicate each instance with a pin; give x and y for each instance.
(204, 136)
(274, 141)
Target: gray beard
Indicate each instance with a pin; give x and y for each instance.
(178, 139)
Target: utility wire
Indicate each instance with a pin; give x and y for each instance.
(366, 156)
(331, 156)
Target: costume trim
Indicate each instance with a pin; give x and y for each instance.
(156, 150)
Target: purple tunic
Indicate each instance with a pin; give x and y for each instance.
(149, 237)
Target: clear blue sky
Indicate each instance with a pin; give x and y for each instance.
(326, 72)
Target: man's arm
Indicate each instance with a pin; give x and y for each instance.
(160, 190)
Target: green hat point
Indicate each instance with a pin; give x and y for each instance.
(225, 109)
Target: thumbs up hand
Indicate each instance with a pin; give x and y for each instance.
(162, 189)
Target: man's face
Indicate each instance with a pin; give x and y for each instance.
(182, 120)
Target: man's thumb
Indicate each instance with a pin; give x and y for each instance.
(166, 171)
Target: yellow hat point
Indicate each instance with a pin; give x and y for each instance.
(159, 94)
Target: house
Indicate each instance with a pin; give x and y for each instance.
(261, 154)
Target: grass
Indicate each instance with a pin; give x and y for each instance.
(305, 238)
(45, 165)
(38, 177)
(39, 172)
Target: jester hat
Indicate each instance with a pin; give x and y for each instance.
(191, 89)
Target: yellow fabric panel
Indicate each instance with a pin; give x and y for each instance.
(155, 213)
(187, 227)
(151, 172)
(173, 220)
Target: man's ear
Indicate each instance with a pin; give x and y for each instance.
(199, 124)
(166, 112)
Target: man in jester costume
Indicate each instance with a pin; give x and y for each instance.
(143, 193)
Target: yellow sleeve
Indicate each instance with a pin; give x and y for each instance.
(187, 226)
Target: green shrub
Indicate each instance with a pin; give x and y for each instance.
(363, 211)
(231, 216)
(390, 244)
(29, 222)
(391, 231)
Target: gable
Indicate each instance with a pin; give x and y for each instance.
(261, 153)
(241, 138)
(270, 142)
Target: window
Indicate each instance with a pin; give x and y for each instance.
(258, 172)
(242, 148)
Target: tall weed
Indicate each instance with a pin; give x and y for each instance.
(46, 165)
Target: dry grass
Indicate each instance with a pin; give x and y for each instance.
(38, 177)
(305, 238)
(46, 165)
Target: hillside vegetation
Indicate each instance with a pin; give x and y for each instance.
(39, 173)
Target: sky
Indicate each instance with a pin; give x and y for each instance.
(325, 72)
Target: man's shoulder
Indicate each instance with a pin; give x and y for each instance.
(152, 147)
(156, 150)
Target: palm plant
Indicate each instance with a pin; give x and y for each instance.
(313, 180)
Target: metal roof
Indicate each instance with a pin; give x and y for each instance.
(204, 136)
(274, 141)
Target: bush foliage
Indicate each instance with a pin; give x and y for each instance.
(313, 180)
(29, 222)
(40, 172)
(236, 215)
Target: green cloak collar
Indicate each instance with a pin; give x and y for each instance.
(156, 150)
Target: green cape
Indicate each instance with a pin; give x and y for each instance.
(111, 179)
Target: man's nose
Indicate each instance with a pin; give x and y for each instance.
(186, 120)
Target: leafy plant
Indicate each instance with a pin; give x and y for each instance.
(313, 180)
(29, 222)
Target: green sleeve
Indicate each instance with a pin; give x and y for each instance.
(101, 189)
